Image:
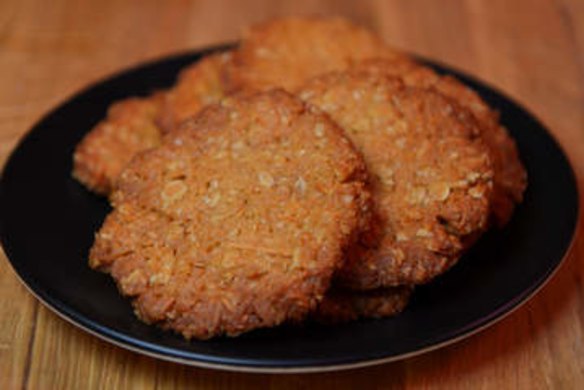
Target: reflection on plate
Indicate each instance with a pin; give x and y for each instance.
(48, 221)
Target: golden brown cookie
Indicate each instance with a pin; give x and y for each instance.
(286, 52)
(129, 128)
(431, 175)
(510, 177)
(238, 220)
(341, 305)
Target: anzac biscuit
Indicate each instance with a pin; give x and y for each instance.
(287, 52)
(341, 305)
(510, 177)
(238, 220)
(431, 175)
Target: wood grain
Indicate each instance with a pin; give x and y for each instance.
(532, 50)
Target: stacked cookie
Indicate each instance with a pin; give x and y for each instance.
(313, 173)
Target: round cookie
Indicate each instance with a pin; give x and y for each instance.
(129, 128)
(341, 305)
(431, 176)
(510, 177)
(238, 220)
(286, 52)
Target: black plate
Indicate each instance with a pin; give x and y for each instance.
(48, 221)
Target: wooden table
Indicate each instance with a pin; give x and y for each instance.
(532, 50)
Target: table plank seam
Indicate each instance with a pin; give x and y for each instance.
(30, 347)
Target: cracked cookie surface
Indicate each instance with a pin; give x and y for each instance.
(238, 220)
(431, 176)
(510, 177)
